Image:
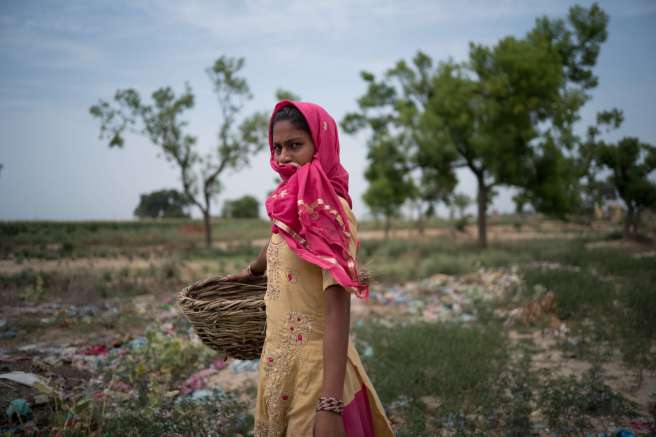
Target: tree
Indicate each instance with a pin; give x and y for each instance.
(594, 191)
(459, 202)
(628, 164)
(162, 204)
(282, 94)
(389, 186)
(507, 114)
(244, 207)
(160, 122)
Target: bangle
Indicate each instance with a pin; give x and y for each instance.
(327, 403)
(250, 271)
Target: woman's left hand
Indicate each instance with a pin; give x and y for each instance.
(327, 424)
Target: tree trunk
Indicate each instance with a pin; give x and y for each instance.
(420, 222)
(387, 225)
(482, 212)
(628, 221)
(208, 228)
(636, 223)
(421, 227)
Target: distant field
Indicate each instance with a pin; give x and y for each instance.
(55, 239)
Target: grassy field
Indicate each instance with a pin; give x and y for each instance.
(550, 331)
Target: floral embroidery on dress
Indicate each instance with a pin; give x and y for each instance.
(273, 271)
(278, 365)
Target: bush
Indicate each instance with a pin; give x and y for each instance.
(244, 207)
(163, 204)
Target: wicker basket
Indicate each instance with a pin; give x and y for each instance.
(229, 317)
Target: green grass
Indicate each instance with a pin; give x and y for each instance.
(470, 380)
(221, 415)
(54, 240)
(88, 285)
(449, 362)
(402, 260)
(403, 223)
(609, 302)
(579, 294)
(570, 402)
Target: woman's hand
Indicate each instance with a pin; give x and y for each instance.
(327, 424)
(256, 269)
(243, 276)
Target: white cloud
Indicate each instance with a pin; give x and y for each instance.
(60, 59)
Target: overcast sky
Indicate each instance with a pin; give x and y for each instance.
(59, 57)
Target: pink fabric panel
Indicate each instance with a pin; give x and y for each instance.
(357, 416)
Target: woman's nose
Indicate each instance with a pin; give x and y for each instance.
(285, 155)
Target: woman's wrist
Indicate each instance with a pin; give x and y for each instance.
(330, 404)
(254, 272)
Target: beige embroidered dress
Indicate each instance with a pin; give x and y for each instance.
(291, 365)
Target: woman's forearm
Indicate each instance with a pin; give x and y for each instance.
(335, 342)
(260, 264)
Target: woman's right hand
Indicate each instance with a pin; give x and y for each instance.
(246, 274)
(242, 276)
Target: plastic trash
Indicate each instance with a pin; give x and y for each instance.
(138, 343)
(219, 363)
(643, 426)
(197, 380)
(206, 395)
(201, 394)
(41, 399)
(368, 352)
(29, 379)
(624, 432)
(10, 333)
(20, 408)
(96, 350)
(240, 366)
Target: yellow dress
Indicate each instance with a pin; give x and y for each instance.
(291, 364)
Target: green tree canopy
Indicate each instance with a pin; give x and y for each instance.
(628, 164)
(162, 204)
(243, 207)
(389, 185)
(282, 94)
(160, 121)
(506, 114)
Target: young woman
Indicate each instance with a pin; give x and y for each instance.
(311, 379)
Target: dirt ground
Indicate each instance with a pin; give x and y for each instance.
(56, 324)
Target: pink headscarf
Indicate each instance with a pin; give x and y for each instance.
(305, 208)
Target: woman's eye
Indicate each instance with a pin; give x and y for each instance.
(277, 149)
(296, 145)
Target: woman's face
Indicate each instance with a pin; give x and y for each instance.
(291, 145)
